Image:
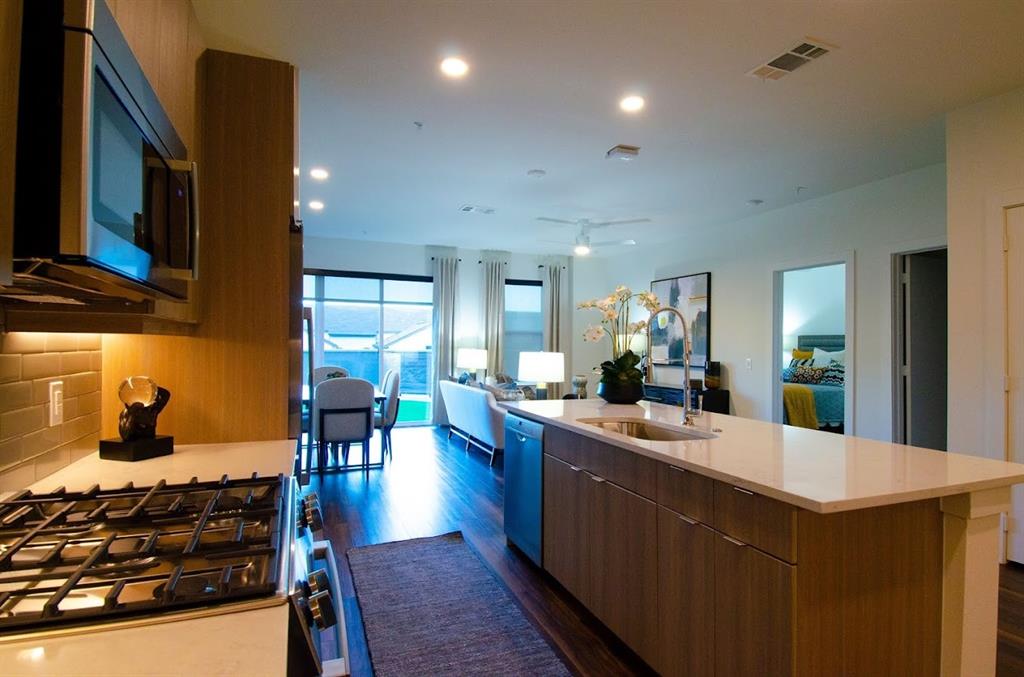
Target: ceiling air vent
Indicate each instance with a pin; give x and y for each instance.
(476, 209)
(789, 61)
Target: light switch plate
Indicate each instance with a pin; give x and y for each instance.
(56, 402)
(750, 364)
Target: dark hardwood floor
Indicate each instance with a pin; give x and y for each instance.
(432, 486)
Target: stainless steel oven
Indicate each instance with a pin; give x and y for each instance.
(105, 198)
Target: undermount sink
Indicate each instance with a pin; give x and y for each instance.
(643, 429)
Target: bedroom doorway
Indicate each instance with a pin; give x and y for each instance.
(812, 375)
(919, 348)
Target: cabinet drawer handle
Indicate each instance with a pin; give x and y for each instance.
(574, 468)
(687, 520)
(672, 467)
(596, 478)
(734, 541)
(521, 438)
(744, 491)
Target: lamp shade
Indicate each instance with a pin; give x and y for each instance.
(542, 367)
(471, 358)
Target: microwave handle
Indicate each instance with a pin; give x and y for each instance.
(192, 170)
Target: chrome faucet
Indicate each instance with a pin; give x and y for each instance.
(690, 412)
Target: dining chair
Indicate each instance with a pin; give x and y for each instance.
(321, 374)
(386, 418)
(343, 411)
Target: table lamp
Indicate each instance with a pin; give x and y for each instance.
(542, 368)
(471, 358)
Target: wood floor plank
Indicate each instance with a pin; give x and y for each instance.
(432, 486)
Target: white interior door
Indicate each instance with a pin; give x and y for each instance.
(1015, 370)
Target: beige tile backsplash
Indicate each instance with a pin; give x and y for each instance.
(30, 449)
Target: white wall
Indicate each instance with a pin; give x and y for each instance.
(872, 222)
(813, 302)
(386, 257)
(985, 158)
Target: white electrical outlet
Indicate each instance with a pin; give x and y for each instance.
(56, 402)
(750, 364)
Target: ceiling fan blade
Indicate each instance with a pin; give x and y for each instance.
(614, 243)
(547, 218)
(602, 224)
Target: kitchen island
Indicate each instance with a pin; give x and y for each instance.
(757, 548)
(251, 642)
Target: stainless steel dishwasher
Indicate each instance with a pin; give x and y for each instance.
(524, 448)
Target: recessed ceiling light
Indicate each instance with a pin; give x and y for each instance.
(632, 103)
(581, 250)
(754, 202)
(454, 67)
(536, 173)
(316, 205)
(319, 173)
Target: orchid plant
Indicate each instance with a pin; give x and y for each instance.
(615, 324)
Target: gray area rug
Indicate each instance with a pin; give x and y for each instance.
(431, 607)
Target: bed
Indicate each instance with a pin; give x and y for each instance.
(829, 406)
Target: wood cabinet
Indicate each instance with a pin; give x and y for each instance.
(565, 547)
(701, 577)
(623, 563)
(686, 596)
(753, 616)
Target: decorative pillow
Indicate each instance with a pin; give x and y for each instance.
(807, 375)
(787, 374)
(834, 374)
(802, 354)
(802, 362)
(824, 359)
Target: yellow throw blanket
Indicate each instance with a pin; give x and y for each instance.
(799, 402)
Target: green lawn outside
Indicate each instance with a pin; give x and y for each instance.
(413, 411)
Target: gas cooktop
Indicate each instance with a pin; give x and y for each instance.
(71, 558)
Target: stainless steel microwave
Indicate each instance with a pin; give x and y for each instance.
(105, 204)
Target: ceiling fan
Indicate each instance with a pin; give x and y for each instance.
(582, 244)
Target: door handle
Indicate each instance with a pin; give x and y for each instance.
(743, 491)
(521, 438)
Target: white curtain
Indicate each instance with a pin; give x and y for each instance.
(446, 283)
(494, 314)
(556, 333)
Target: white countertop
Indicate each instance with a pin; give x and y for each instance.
(819, 471)
(244, 643)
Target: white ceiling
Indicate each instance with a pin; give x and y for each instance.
(543, 89)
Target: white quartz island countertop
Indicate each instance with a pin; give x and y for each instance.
(244, 643)
(819, 471)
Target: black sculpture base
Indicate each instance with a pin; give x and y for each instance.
(136, 450)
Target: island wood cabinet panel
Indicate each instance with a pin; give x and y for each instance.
(686, 492)
(623, 563)
(686, 596)
(763, 522)
(564, 547)
(631, 471)
(753, 619)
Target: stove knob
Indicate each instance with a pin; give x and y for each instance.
(318, 581)
(314, 518)
(321, 606)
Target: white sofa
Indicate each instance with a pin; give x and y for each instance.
(474, 414)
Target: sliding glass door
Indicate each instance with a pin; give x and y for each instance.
(370, 324)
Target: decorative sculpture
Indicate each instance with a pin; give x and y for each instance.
(143, 401)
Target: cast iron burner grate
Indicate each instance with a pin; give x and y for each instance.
(84, 557)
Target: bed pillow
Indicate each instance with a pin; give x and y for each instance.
(807, 374)
(824, 359)
(834, 374)
(801, 358)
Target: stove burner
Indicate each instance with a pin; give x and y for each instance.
(187, 588)
(82, 557)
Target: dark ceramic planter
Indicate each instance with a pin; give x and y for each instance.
(621, 392)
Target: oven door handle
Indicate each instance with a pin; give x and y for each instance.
(335, 667)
